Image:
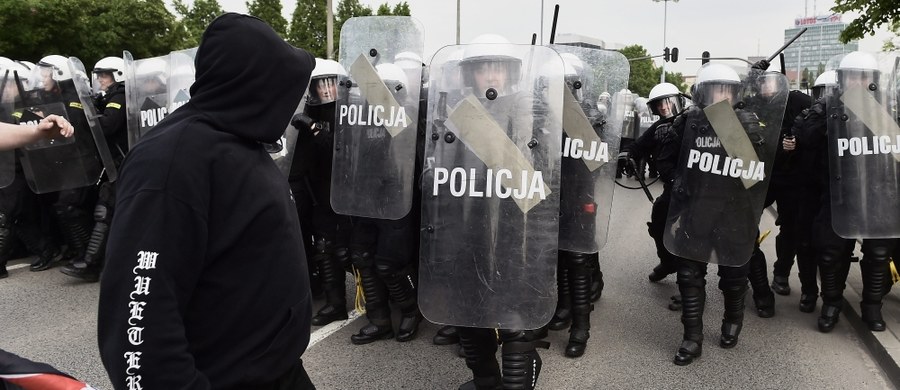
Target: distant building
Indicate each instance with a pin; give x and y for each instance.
(586, 41)
(808, 55)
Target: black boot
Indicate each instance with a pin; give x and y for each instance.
(402, 291)
(479, 348)
(580, 284)
(562, 318)
(781, 285)
(808, 303)
(89, 268)
(333, 280)
(75, 225)
(446, 335)
(692, 285)
(876, 274)
(521, 362)
(829, 317)
(871, 315)
(733, 292)
(659, 273)
(377, 309)
(763, 297)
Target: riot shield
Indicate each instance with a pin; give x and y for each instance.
(490, 188)
(722, 176)
(377, 118)
(181, 77)
(283, 150)
(82, 83)
(864, 151)
(146, 94)
(589, 139)
(58, 163)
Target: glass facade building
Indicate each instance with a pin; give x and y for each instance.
(808, 55)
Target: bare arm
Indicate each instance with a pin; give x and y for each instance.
(14, 136)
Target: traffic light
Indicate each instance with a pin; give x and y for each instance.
(705, 58)
(674, 54)
(666, 54)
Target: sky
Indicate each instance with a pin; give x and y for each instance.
(727, 28)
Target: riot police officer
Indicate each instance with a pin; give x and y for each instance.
(109, 77)
(586, 187)
(716, 201)
(487, 261)
(853, 203)
(660, 142)
(310, 179)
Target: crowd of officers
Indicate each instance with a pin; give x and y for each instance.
(70, 226)
(798, 188)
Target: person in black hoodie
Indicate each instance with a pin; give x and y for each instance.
(206, 283)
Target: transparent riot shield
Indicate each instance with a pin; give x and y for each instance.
(9, 94)
(282, 152)
(377, 118)
(864, 151)
(181, 77)
(82, 84)
(146, 94)
(589, 139)
(723, 174)
(58, 163)
(490, 188)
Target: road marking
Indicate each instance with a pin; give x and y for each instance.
(17, 266)
(329, 329)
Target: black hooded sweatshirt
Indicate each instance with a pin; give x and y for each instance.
(206, 284)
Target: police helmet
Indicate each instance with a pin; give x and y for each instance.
(57, 65)
(323, 82)
(113, 65)
(394, 78)
(668, 95)
(151, 74)
(716, 82)
(825, 80)
(490, 51)
(858, 68)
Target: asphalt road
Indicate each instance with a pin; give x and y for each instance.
(49, 317)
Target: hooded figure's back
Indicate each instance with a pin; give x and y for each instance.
(206, 282)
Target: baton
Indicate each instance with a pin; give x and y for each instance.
(786, 44)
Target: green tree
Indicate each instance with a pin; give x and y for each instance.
(873, 15)
(270, 12)
(86, 29)
(384, 10)
(401, 9)
(347, 9)
(195, 19)
(893, 43)
(641, 79)
(308, 27)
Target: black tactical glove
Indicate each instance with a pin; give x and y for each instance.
(302, 122)
(761, 65)
(628, 163)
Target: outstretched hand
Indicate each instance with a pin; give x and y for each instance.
(54, 124)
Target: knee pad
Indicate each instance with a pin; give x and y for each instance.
(361, 259)
(689, 277)
(578, 259)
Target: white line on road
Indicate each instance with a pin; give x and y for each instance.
(329, 329)
(17, 266)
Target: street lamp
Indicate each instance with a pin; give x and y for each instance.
(662, 73)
